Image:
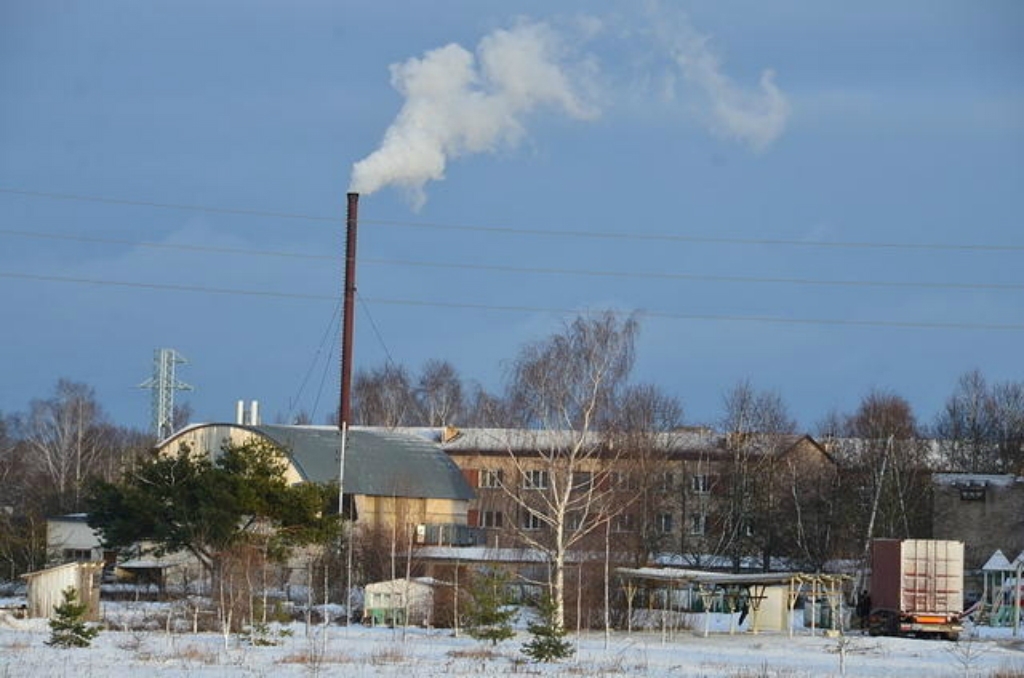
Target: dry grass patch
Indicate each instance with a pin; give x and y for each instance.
(476, 654)
(1007, 672)
(388, 654)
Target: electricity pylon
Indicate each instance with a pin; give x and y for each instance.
(163, 383)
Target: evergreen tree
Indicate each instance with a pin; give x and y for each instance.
(548, 642)
(68, 628)
(488, 617)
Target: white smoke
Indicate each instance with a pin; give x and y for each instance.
(756, 117)
(457, 103)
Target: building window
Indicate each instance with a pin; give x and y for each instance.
(623, 522)
(701, 483)
(491, 478)
(77, 555)
(663, 522)
(573, 521)
(492, 519)
(532, 521)
(535, 480)
(698, 524)
(668, 481)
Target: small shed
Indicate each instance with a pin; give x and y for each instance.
(46, 588)
(399, 602)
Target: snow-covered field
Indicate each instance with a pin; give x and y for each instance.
(359, 651)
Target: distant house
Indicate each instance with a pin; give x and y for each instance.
(69, 539)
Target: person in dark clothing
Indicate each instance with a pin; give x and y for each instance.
(863, 608)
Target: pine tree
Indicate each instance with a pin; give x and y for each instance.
(68, 628)
(488, 617)
(548, 642)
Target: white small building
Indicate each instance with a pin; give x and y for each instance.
(399, 602)
(69, 539)
(46, 588)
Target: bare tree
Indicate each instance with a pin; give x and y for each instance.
(180, 416)
(889, 463)
(483, 409)
(966, 427)
(645, 432)
(561, 390)
(981, 428)
(384, 397)
(755, 423)
(439, 393)
(62, 432)
(1008, 416)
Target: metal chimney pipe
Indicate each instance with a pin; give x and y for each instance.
(344, 404)
(240, 412)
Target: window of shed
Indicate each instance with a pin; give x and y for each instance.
(973, 493)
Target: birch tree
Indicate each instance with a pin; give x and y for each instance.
(561, 390)
(439, 393)
(384, 397)
(62, 433)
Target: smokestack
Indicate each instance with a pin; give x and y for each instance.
(240, 412)
(344, 404)
(254, 413)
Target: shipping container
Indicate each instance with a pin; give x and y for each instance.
(917, 587)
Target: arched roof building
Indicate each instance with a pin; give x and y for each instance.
(390, 477)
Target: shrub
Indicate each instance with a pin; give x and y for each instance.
(68, 627)
(548, 642)
(488, 616)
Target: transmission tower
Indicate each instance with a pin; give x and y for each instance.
(163, 383)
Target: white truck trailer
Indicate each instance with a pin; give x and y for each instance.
(917, 587)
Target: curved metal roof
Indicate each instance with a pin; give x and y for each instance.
(378, 462)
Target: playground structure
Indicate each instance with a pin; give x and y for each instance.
(1000, 601)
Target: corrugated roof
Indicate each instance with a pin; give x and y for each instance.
(377, 462)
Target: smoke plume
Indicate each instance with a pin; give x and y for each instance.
(756, 117)
(458, 103)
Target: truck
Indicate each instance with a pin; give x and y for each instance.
(917, 588)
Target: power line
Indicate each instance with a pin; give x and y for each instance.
(165, 286)
(50, 195)
(520, 269)
(654, 237)
(1013, 327)
(165, 246)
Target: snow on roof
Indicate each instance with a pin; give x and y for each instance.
(975, 479)
(705, 577)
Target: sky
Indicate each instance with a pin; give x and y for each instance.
(822, 199)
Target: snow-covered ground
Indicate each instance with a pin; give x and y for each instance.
(359, 651)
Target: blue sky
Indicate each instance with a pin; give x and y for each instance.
(822, 198)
